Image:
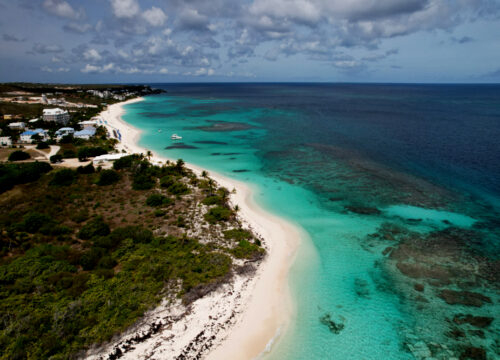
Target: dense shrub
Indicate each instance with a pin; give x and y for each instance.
(18, 155)
(178, 188)
(64, 177)
(138, 234)
(87, 169)
(90, 259)
(33, 221)
(143, 182)
(13, 174)
(69, 154)
(85, 152)
(212, 200)
(167, 181)
(108, 177)
(218, 213)
(158, 200)
(42, 145)
(124, 162)
(67, 139)
(247, 250)
(95, 227)
(237, 234)
(56, 159)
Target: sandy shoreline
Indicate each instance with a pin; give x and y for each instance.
(260, 307)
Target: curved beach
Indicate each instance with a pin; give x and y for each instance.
(264, 305)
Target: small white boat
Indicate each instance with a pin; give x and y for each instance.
(159, 130)
(176, 137)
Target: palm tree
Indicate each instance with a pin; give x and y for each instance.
(179, 165)
(204, 174)
(211, 185)
(236, 208)
(149, 154)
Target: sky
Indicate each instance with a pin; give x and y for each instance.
(123, 41)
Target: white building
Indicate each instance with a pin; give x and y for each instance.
(62, 132)
(26, 137)
(108, 157)
(17, 126)
(56, 115)
(86, 133)
(5, 141)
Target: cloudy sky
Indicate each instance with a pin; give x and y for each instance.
(250, 40)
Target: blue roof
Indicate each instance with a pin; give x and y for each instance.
(32, 132)
(85, 132)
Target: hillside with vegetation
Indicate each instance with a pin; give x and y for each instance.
(84, 253)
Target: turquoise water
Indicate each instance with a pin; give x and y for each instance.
(339, 272)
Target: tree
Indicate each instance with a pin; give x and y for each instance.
(204, 174)
(211, 186)
(19, 155)
(56, 159)
(179, 165)
(149, 154)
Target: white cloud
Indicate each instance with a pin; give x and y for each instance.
(50, 70)
(97, 69)
(92, 55)
(125, 8)
(62, 9)
(155, 16)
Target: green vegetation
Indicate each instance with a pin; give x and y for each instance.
(56, 159)
(14, 174)
(108, 177)
(42, 145)
(78, 265)
(218, 213)
(64, 177)
(158, 200)
(19, 155)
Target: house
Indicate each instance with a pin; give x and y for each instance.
(92, 122)
(17, 125)
(108, 157)
(57, 115)
(86, 133)
(5, 141)
(26, 137)
(33, 120)
(62, 132)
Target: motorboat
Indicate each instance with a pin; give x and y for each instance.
(176, 137)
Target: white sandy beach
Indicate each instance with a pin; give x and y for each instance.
(239, 319)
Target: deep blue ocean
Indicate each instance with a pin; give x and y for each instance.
(378, 176)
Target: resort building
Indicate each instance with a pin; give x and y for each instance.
(57, 115)
(17, 126)
(27, 136)
(108, 157)
(86, 133)
(7, 117)
(5, 141)
(62, 132)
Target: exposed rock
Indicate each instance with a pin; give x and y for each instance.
(477, 321)
(361, 288)
(422, 271)
(456, 333)
(363, 210)
(420, 350)
(467, 298)
(334, 327)
(387, 250)
(473, 353)
(419, 287)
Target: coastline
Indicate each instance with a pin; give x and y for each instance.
(262, 306)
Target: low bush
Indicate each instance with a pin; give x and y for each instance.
(124, 162)
(237, 234)
(158, 200)
(247, 250)
(178, 188)
(108, 177)
(87, 169)
(218, 213)
(69, 154)
(64, 177)
(95, 227)
(42, 145)
(143, 182)
(212, 200)
(138, 234)
(19, 155)
(13, 174)
(167, 181)
(56, 159)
